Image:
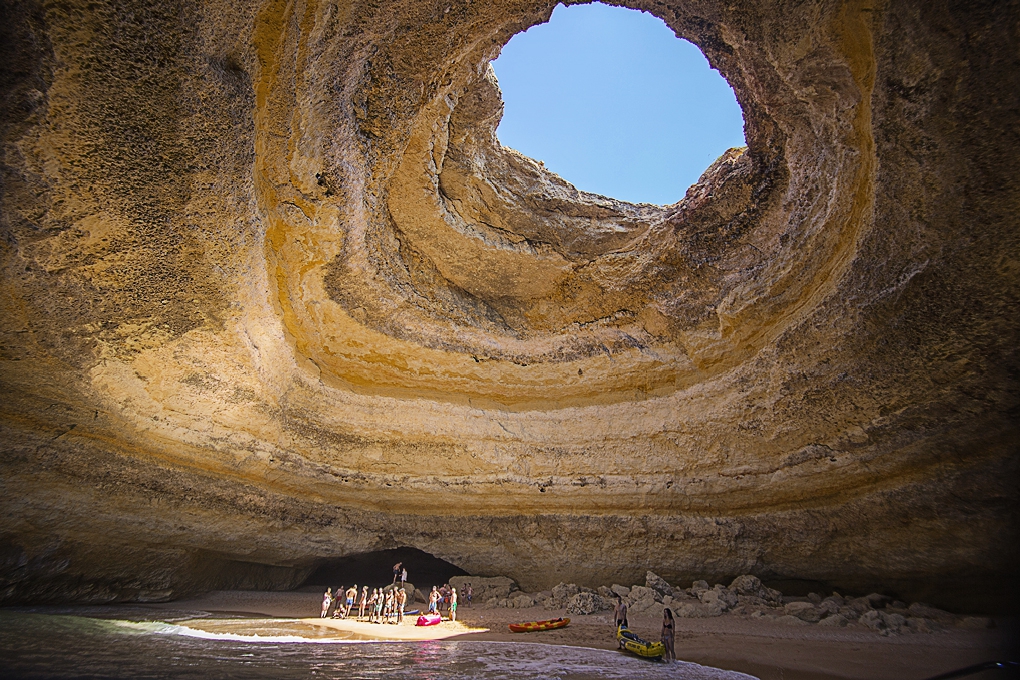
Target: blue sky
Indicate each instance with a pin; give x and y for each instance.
(613, 102)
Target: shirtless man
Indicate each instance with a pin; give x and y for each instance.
(453, 604)
(380, 601)
(338, 598)
(352, 594)
(620, 613)
(401, 601)
(388, 606)
(434, 597)
(371, 605)
(362, 602)
(445, 601)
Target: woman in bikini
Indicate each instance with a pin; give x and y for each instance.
(667, 635)
(327, 598)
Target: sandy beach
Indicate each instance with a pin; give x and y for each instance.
(764, 648)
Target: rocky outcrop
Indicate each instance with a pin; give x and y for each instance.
(875, 612)
(273, 293)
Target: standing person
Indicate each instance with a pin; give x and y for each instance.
(396, 571)
(362, 602)
(401, 601)
(371, 605)
(352, 594)
(387, 605)
(327, 598)
(468, 593)
(453, 604)
(380, 601)
(338, 595)
(445, 591)
(403, 577)
(667, 634)
(434, 601)
(620, 613)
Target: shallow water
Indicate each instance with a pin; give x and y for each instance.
(90, 642)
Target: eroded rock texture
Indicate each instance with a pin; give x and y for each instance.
(273, 293)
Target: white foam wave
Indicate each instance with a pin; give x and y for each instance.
(162, 628)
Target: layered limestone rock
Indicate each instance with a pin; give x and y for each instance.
(274, 293)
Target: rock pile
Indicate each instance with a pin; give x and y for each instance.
(748, 597)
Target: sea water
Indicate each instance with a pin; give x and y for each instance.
(120, 642)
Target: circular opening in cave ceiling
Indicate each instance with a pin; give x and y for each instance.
(612, 101)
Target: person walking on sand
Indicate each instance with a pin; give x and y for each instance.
(327, 598)
(620, 613)
(453, 604)
(396, 571)
(667, 635)
(362, 602)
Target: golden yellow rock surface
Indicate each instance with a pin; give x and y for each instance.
(273, 292)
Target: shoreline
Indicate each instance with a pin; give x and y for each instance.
(767, 649)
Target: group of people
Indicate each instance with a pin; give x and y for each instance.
(668, 633)
(383, 605)
(445, 599)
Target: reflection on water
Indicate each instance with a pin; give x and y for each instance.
(53, 643)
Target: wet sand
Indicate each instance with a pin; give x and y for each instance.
(768, 649)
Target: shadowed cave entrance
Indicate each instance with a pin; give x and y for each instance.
(376, 569)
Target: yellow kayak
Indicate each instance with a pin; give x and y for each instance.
(632, 643)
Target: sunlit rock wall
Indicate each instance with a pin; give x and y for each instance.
(274, 293)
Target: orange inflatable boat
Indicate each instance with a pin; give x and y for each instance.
(538, 625)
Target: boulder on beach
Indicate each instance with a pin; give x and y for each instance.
(835, 621)
(805, 611)
(485, 588)
(583, 604)
(658, 584)
(751, 586)
(719, 596)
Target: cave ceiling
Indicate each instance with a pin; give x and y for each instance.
(274, 293)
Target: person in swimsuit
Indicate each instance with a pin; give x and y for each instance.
(371, 605)
(327, 598)
(362, 602)
(453, 604)
(620, 613)
(338, 610)
(380, 601)
(401, 601)
(667, 635)
(434, 600)
(352, 594)
(396, 571)
(468, 593)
